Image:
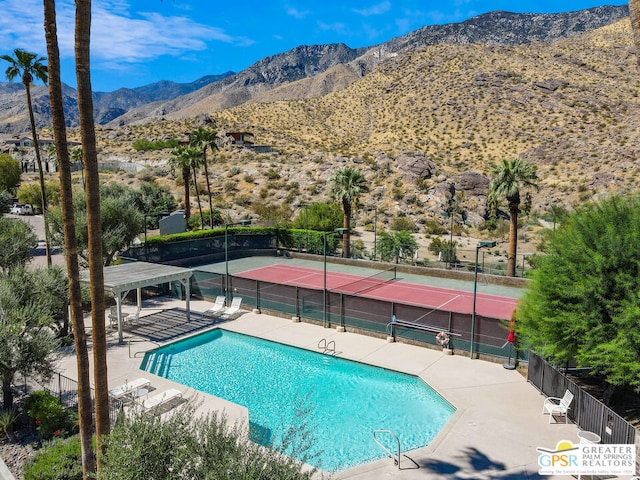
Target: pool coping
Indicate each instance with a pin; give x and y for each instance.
(494, 431)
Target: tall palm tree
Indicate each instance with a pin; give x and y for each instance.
(184, 158)
(85, 408)
(509, 179)
(28, 66)
(347, 184)
(92, 192)
(205, 139)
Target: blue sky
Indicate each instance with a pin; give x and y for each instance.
(137, 42)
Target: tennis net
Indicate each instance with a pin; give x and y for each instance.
(367, 283)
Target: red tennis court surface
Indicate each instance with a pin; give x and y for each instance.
(493, 306)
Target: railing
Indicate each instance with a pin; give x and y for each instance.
(587, 411)
(396, 459)
(328, 348)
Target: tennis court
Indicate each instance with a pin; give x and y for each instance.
(385, 286)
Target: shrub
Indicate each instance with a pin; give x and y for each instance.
(59, 460)
(403, 223)
(48, 414)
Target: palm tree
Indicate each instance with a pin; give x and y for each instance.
(85, 409)
(204, 138)
(29, 66)
(184, 158)
(347, 184)
(92, 192)
(509, 178)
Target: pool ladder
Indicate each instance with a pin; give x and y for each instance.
(328, 348)
(396, 459)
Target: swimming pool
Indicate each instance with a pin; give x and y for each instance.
(349, 400)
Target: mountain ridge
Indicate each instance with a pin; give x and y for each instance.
(153, 102)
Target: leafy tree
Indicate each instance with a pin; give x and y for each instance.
(6, 198)
(30, 193)
(151, 200)
(16, 241)
(64, 158)
(583, 303)
(347, 184)
(178, 447)
(393, 245)
(509, 179)
(27, 341)
(30, 67)
(445, 249)
(272, 215)
(120, 221)
(321, 216)
(9, 173)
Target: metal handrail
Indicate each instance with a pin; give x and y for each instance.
(387, 451)
(141, 351)
(326, 347)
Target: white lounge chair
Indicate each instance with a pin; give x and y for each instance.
(153, 403)
(129, 388)
(218, 306)
(558, 406)
(233, 308)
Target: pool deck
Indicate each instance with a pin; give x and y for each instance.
(493, 435)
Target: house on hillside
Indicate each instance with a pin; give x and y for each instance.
(246, 140)
(243, 139)
(28, 142)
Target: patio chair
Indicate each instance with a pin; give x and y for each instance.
(218, 306)
(233, 308)
(153, 404)
(128, 388)
(558, 406)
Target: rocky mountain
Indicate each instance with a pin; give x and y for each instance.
(426, 125)
(304, 72)
(107, 105)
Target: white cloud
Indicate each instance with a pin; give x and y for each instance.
(377, 9)
(299, 14)
(337, 27)
(119, 35)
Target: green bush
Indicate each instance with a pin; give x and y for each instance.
(403, 223)
(58, 460)
(48, 414)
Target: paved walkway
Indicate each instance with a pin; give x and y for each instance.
(493, 435)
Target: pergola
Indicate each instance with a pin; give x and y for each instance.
(119, 280)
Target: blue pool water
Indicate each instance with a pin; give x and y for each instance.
(349, 400)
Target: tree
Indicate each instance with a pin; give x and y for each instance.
(31, 193)
(582, 303)
(509, 179)
(347, 184)
(120, 222)
(29, 66)
(9, 173)
(27, 341)
(204, 139)
(16, 241)
(321, 216)
(393, 245)
(85, 406)
(152, 200)
(179, 447)
(183, 158)
(92, 191)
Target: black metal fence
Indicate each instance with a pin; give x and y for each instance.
(586, 411)
(66, 390)
(361, 313)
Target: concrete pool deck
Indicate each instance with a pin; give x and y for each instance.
(493, 435)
